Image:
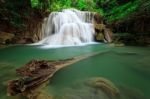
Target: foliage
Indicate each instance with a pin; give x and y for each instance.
(58, 5)
(111, 9)
(35, 3)
(122, 11)
(40, 4)
(13, 12)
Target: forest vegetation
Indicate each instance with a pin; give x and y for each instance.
(128, 18)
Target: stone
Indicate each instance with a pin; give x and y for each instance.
(5, 36)
(35, 74)
(105, 85)
(102, 32)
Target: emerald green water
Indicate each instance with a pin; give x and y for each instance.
(127, 67)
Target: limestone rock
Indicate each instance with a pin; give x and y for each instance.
(5, 36)
(105, 85)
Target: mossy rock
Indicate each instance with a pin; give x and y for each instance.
(5, 36)
(103, 84)
(92, 88)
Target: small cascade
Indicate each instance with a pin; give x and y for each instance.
(68, 27)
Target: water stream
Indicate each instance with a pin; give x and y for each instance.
(127, 67)
(68, 27)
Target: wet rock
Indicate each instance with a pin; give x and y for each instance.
(98, 18)
(19, 40)
(102, 32)
(105, 85)
(37, 73)
(5, 36)
(91, 88)
(35, 68)
(33, 74)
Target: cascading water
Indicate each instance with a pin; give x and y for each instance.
(69, 27)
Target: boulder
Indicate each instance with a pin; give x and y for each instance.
(102, 32)
(4, 37)
(105, 85)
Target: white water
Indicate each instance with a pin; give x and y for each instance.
(67, 28)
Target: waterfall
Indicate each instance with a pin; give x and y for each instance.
(68, 27)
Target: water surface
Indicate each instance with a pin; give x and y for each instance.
(127, 67)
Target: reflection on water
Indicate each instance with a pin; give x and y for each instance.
(126, 67)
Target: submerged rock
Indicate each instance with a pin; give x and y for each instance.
(34, 74)
(105, 85)
(91, 88)
(98, 88)
(35, 68)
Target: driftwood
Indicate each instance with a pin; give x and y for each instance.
(35, 73)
